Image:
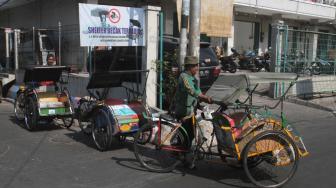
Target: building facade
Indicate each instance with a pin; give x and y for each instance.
(251, 29)
(253, 20)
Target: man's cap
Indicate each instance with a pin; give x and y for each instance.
(190, 60)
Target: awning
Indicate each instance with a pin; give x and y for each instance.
(6, 4)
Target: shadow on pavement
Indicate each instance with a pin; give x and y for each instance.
(220, 173)
(216, 171)
(80, 137)
(42, 126)
(87, 140)
(131, 162)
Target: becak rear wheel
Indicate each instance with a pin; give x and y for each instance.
(102, 129)
(31, 113)
(67, 121)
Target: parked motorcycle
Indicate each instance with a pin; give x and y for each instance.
(229, 63)
(247, 60)
(321, 65)
(263, 62)
(297, 63)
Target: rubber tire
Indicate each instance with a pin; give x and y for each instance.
(140, 159)
(233, 68)
(267, 67)
(19, 99)
(307, 72)
(316, 70)
(31, 120)
(65, 124)
(108, 130)
(256, 138)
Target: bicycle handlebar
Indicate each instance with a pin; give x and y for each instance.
(238, 104)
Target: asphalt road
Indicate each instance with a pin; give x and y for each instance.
(56, 158)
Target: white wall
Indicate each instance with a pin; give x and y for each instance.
(242, 31)
(244, 35)
(294, 7)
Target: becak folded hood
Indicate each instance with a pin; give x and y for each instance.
(43, 73)
(229, 87)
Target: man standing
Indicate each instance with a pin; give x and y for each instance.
(187, 95)
(51, 61)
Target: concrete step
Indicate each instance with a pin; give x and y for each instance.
(6, 78)
(4, 75)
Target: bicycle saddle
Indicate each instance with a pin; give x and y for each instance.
(167, 117)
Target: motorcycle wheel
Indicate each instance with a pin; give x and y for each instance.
(307, 72)
(267, 68)
(233, 68)
(316, 69)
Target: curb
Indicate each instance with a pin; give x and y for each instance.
(8, 100)
(309, 104)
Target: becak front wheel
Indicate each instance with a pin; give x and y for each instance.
(276, 156)
(157, 157)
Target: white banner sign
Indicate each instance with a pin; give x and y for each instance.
(102, 25)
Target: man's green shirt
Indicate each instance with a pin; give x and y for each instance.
(186, 95)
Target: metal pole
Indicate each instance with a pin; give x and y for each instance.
(278, 59)
(16, 42)
(276, 52)
(34, 52)
(137, 74)
(334, 67)
(0, 90)
(286, 46)
(7, 32)
(183, 35)
(285, 56)
(194, 33)
(59, 43)
(161, 59)
(90, 61)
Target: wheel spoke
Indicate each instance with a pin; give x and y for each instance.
(152, 157)
(101, 132)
